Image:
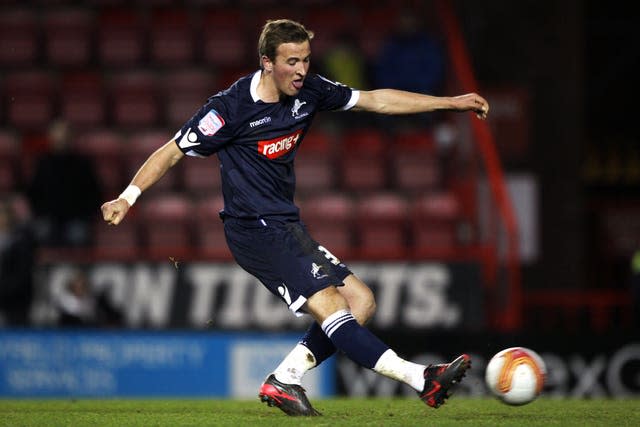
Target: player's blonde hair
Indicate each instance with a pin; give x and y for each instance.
(278, 31)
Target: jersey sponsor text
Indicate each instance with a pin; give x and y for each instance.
(279, 146)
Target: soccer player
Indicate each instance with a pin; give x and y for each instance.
(256, 126)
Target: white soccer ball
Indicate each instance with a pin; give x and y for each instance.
(516, 375)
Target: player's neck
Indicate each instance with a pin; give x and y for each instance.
(267, 90)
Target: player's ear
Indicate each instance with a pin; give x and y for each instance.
(266, 63)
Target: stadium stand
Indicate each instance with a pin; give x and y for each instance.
(18, 38)
(171, 37)
(82, 95)
(165, 224)
(381, 226)
(329, 218)
(121, 41)
(69, 35)
(363, 164)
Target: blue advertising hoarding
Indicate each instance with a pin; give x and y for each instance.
(145, 364)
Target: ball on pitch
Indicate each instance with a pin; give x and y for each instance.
(516, 375)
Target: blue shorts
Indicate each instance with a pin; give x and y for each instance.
(284, 257)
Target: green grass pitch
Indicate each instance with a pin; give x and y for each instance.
(337, 412)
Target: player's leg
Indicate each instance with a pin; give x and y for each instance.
(331, 310)
(315, 347)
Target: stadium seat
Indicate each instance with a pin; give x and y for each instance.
(183, 92)
(435, 220)
(223, 37)
(315, 164)
(201, 176)
(140, 146)
(105, 147)
(18, 38)
(134, 102)
(381, 226)
(121, 242)
(414, 161)
(171, 34)
(82, 99)
(120, 38)
(9, 154)
(329, 24)
(209, 229)
(165, 222)
(69, 36)
(363, 160)
(329, 219)
(29, 98)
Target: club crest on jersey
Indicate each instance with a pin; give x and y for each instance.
(295, 111)
(279, 146)
(211, 123)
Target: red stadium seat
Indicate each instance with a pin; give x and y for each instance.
(329, 219)
(209, 229)
(120, 37)
(140, 146)
(223, 37)
(68, 40)
(29, 99)
(183, 92)
(329, 24)
(18, 37)
(82, 99)
(201, 175)
(105, 147)
(382, 226)
(414, 161)
(363, 162)
(166, 226)
(315, 164)
(9, 154)
(121, 242)
(134, 102)
(435, 219)
(171, 36)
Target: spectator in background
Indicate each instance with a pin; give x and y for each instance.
(411, 59)
(345, 63)
(64, 192)
(17, 254)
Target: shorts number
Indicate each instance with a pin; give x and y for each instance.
(329, 255)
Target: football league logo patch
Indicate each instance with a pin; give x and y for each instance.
(211, 123)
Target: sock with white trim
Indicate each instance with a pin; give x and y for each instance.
(319, 343)
(356, 341)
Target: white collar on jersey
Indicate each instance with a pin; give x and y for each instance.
(254, 86)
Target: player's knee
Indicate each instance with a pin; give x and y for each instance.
(364, 307)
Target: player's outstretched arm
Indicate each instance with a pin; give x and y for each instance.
(149, 173)
(392, 101)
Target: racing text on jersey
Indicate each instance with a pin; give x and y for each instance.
(279, 146)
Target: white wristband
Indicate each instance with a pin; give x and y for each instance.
(130, 194)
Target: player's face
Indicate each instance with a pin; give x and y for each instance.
(291, 66)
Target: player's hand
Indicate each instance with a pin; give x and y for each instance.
(114, 211)
(472, 102)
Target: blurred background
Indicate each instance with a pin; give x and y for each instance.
(521, 230)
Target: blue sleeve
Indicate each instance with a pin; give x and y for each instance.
(208, 130)
(331, 95)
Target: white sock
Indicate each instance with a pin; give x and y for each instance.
(392, 366)
(295, 365)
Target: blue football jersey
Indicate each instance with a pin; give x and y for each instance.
(257, 141)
